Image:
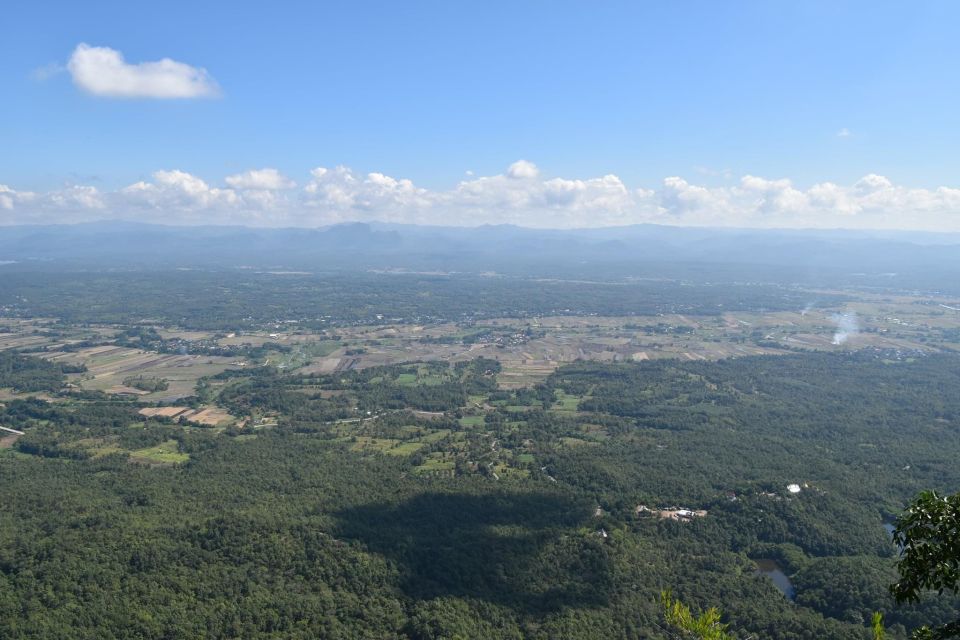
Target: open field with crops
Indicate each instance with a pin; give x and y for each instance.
(108, 366)
(529, 349)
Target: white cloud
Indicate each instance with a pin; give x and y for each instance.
(680, 199)
(523, 169)
(872, 183)
(828, 196)
(69, 202)
(176, 193)
(774, 195)
(844, 133)
(6, 197)
(102, 71)
(343, 195)
(265, 179)
(519, 195)
(80, 196)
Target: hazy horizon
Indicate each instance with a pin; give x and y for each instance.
(378, 224)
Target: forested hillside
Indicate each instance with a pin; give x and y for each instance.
(553, 511)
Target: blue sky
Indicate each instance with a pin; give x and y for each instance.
(708, 92)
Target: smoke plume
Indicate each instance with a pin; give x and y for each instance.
(847, 327)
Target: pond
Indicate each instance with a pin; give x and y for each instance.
(770, 568)
(889, 527)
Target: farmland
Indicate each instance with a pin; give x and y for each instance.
(107, 367)
(529, 349)
(206, 416)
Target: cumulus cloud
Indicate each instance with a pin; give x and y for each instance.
(519, 195)
(178, 194)
(102, 71)
(70, 203)
(265, 179)
(523, 169)
(343, 195)
(6, 197)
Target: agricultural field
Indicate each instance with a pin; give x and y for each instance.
(41, 334)
(108, 366)
(530, 349)
(208, 416)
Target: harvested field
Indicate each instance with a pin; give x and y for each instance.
(8, 440)
(108, 366)
(210, 417)
(20, 341)
(207, 416)
(127, 391)
(163, 412)
(322, 366)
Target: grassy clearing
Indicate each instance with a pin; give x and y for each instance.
(407, 379)
(405, 449)
(365, 443)
(566, 402)
(393, 446)
(99, 447)
(322, 349)
(472, 421)
(595, 433)
(412, 429)
(436, 462)
(165, 453)
(435, 436)
(13, 453)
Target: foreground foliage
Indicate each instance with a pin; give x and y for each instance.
(706, 626)
(929, 535)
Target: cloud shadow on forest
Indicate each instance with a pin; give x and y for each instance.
(523, 550)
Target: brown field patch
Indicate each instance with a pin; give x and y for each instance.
(125, 390)
(163, 412)
(211, 416)
(9, 440)
(322, 366)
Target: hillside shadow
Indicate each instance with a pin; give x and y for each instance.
(519, 550)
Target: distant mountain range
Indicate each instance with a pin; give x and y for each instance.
(632, 251)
